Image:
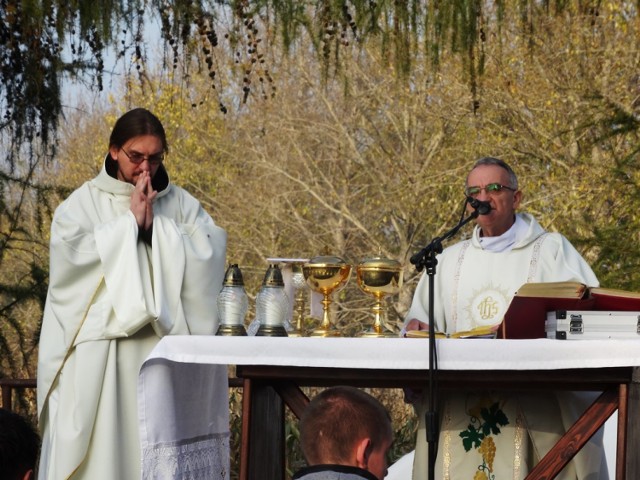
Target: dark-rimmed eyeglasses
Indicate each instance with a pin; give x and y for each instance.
(490, 189)
(135, 157)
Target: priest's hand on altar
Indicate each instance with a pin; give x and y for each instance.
(414, 324)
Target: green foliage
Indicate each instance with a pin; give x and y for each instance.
(471, 438)
(43, 41)
(492, 419)
(24, 219)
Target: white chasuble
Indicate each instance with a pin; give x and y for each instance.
(498, 435)
(111, 297)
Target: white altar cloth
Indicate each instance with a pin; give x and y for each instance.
(183, 388)
(183, 417)
(400, 353)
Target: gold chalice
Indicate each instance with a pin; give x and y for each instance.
(326, 275)
(379, 277)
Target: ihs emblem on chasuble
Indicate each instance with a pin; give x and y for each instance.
(487, 305)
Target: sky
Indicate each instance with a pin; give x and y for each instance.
(81, 93)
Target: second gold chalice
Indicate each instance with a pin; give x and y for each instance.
(379, 277)
(326, 275)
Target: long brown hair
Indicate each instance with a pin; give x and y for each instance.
(135, 123)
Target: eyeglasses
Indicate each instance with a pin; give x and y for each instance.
(155, 159)
(490, 189)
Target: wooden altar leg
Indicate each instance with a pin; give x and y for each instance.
(633, 430)
(295, 399)
(576, 437)
(246, 428)
(263, 446)
(621, 437)
(266, 454)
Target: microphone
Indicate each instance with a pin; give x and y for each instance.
(483, 208)
(416, 258)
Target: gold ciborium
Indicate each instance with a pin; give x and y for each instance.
(379, 277)
(326, 275)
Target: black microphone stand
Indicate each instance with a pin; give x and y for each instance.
(426, 258)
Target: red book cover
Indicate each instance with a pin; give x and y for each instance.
(615, 300)
(525, 316)
(527, 312)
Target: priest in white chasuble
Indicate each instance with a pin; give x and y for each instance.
(485, 434)
(133, 258)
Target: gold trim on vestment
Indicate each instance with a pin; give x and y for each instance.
(446, 451)
(456, 282)
(518, 445)
(533, 264)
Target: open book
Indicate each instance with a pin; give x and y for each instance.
(527, 312)
(478, 332)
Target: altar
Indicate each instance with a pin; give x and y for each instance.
(273, 368)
